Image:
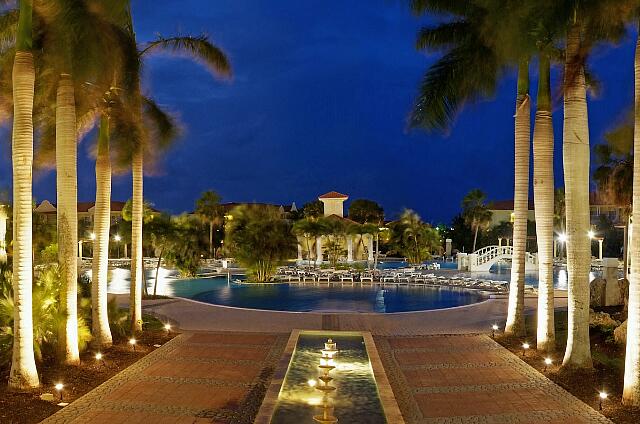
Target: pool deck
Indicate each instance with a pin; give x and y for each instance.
(189, 315)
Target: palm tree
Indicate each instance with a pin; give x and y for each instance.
(24, 374)
(586, 24)
(631, 390)
(215, 61)
(208, 209)
(475, 212)
(309, 229)
(544, 204)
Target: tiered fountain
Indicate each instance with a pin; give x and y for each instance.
(326, 365)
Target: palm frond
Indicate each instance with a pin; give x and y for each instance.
(442, 7)
(8, 28)
(160, 123)
(442, 36)
(199, 48)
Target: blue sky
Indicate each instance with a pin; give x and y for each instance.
(318, 102)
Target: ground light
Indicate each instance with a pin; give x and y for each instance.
(591, 234)
(547, 363)
(603, 396)
(312, 383)
(132, 342)
(59, 387)
(562, 238)
(92, 236)
(167, 327)
(494, 328)
(525, 346)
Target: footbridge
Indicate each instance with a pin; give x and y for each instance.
(483, 259)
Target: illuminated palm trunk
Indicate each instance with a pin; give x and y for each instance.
(515, 315)
(576, 183)
(631, 391)
(67, 210)
(24, 374)
(101, 225)
(137, 266)
(543, 195)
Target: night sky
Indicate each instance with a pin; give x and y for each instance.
(319, 102)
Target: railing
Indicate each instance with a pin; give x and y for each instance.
(489, 253)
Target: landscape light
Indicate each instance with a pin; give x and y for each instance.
(92, 236)
(494, 328)
(59, 387)
(547, 362)
(525, 346)
(167, 327)
(132, 342)
(562, 238)
(591, 234)
(603, 396)
(117, 237)
(312, 383)
(98, 356)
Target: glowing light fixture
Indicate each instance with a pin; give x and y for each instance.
(312, 383)
(92, 236)
(59, 387)
(525, 346)
(562, 238)
(603, 396)
(117, 237)
(591, 234)
(494, 328)
(167, 327)
(133, 342)
(547, 362)
(98, 356)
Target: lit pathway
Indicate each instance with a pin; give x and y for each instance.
(471, 379)
(190, 315)
(194, 378)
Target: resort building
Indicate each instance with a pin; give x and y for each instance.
(46, 212)
(502, 210)
(356, 247)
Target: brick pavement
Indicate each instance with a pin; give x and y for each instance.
(471, 379)
(194, 378)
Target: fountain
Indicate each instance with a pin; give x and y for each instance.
(326, 365)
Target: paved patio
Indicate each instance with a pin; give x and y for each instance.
(194, 378)
(472, 379)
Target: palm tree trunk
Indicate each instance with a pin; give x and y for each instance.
(576, 183)
(515, 315)
(631, 390)
(137, 266)
(155, 282)
(625, 248)
(211, 238)
(543, 195)
(475, 238)
(24, 374)
(101, 224)
(67, 209)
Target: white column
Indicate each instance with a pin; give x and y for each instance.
(349, 249)
(319, 258)
(600, 248)
(499, 241)
(370, 258)
(299, 252)
(80, 249)
(125, 251)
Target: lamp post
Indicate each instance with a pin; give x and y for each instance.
(117, 239)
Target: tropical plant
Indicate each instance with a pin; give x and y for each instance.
(475, 213)
(313, 209)
(309, 229)
(215, 61)
(162, 233)
(259, 239)
(335, 233)
(412, 238)
(209, 210)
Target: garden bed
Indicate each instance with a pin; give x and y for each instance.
(606, 375)
(27, 408)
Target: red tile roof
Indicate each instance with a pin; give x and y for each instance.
(333, 195)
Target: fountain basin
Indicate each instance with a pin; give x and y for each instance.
(362, 394)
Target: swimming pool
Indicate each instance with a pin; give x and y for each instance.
(305, 298)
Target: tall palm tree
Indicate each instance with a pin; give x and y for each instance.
(215, 61)
(475, 212)
(543, 191)
(515, 313)
(24, 374)
(587, 22)
(208, 209)
(631, 388)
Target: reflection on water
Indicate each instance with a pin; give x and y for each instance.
(356, 398)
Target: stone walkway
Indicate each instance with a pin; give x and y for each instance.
(472, 379)
(194, 378)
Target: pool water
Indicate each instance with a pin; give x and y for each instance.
(356, 398)
(302, 298)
